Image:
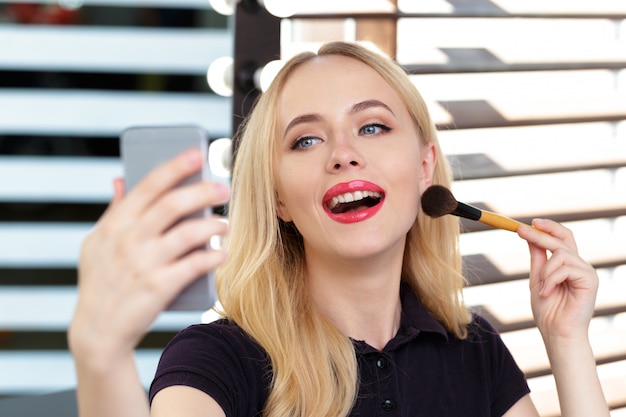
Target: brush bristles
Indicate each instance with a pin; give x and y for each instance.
(438, 201)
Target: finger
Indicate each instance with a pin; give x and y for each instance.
(541, 239)
(180, 203)
(563, 262)
(185, 237)
(181, 273)
(573, 276)
(161, 179)
(119, 189)
(564, 257)
(556, 230)
(538, 259)
(118, 195)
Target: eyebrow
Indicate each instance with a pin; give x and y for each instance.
(305, 118)
(315, 117)
(364, 105)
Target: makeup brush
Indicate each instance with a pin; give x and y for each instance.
(438, 201)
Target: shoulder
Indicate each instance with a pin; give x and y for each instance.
(206, 343)
(219, 342)
(483, 337)
(218, 334)
(220, 359)
(491, 365)
(482, 354)
(481, 327)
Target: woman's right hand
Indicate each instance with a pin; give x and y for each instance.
(139, 256)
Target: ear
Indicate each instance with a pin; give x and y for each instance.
(427, 166)
(281, 210)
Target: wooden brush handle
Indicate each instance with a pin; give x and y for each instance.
(499, 221)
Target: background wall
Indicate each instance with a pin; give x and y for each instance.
(530, 98)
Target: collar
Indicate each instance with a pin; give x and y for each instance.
(415, 316)
(415, 319)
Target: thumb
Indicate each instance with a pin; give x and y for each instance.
(119, 190)
(538, 258)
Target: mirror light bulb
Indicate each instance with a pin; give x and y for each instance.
(280, 8)
(266, 75)
(223, 7)
(220, 159)
(220, 76)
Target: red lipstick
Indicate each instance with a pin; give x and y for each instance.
(353, 201)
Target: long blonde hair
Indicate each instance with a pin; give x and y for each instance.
(262, 287)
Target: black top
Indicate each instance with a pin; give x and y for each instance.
(422, 371)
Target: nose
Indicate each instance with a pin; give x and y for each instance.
(344, 155)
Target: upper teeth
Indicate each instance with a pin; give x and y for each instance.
(353, 196)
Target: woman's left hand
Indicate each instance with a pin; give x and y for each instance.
(563, 286)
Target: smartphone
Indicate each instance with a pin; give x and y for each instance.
(142, 149)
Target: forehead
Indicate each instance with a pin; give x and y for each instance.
(332, 83)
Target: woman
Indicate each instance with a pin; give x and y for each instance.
(341, 296)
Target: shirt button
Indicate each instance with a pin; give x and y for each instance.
(382, 363)
(388, 405)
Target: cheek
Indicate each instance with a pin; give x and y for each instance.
(413, 191)
(282, 204)
(291, 188)
(409, 178)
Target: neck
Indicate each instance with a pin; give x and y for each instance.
(362, 297)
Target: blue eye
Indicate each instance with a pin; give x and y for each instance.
(305, 142)
(374, 128)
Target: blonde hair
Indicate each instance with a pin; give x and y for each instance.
(262, 287)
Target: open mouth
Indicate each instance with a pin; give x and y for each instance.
(354, 201)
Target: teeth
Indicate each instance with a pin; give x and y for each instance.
(354, 196)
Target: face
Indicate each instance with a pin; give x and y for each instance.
(351, 166)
